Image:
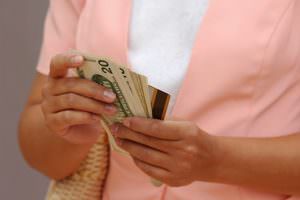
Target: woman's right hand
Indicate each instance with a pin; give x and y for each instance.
(72, 106)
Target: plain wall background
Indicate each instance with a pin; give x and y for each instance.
(21, 25)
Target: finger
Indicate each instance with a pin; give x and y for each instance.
(168, 130)
(82, 87)
(123, 132)
(144, 153)
(76, 102)
(62, 120)
(152, 171)
(62, 62)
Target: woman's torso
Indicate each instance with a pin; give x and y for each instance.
(242, 79)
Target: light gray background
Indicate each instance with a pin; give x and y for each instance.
(21, 24)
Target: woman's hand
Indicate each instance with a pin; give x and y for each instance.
(174, 152)
(72, 106)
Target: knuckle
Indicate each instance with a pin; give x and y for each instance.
(191, 151)
(191, 156)
(186, 166)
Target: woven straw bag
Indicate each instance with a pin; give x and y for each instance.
(88, 181)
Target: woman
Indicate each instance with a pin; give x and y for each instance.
(235, 78)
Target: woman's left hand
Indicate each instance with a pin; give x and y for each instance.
(174, 152)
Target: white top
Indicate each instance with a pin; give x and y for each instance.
(161, 39)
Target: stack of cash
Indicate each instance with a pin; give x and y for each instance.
(134, 97)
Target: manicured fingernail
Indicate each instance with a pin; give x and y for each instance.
(110, 108)
(76, 59)
(109, 95)
(126, 122)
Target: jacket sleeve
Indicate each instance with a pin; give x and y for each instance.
(59, 30)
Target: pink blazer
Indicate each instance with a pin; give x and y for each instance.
(243, 79)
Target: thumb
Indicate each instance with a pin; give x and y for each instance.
(62, 62)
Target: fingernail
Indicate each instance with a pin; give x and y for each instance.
(76, 59)
(126, 122)
(109, 95)
(110, 108)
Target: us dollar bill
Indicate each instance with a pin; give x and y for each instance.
(123, 76)
(100, 70)
(141, 84)
(134, 97)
